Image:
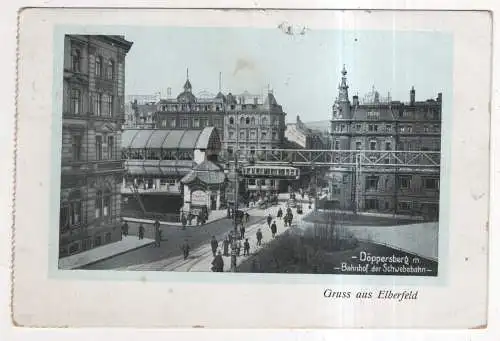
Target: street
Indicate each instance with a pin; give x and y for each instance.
(173, 237)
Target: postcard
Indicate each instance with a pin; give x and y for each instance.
(252, 169)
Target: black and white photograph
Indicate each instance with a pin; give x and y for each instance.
(193, 155)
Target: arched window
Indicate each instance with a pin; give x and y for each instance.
(98, 204)
(98, 66)
(264, 121)
(106, 205)
(242, 120)
(253, 120)
(231, 120)
(110, 69)
(75, 60)
(247, 120)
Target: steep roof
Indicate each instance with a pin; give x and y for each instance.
(206, 172)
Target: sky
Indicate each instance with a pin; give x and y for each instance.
(302, 70)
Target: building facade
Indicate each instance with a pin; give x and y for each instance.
(92, 117)
(298, 134)
(381, 124)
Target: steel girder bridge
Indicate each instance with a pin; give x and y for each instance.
(355, 162)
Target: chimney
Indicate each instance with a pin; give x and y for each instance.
(412, 96)
(355, 100)
(440, 97)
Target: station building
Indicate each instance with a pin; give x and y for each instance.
(382, 124)
(91, 165)
(164, 167)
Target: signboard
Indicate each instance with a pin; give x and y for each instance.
(199, 198)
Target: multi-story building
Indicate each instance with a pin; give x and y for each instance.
(304, 137)
(381, 124)
(187, 111)
(91, 165)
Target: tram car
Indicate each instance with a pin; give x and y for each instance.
(271, 172)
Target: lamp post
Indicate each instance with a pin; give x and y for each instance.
(234, 242)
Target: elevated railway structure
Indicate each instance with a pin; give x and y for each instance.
(362, 166)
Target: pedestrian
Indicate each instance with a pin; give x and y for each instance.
(230, 237)
(242, 232)
(238, 248)
(218, 263)
(269, 219)
(274, 229)
(183, 221)
(190, 218)
(290, 217)
(125, 228)
(214, 245)
(280, 213)
(185, 249)
(225, 245)
(157, 233)
(141, 231)
(259, 237)
(247, 217)
(246, 248)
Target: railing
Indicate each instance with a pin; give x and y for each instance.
(367, 159)
(162, 189)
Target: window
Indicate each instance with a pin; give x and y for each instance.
(230, 150)
(370, 127)
(405, 205)
(106, 207)
(342, 127)
(247, 120)
(253, 135)
(264, 121)
(97, 102)
(387, 146)
(97, 241)
(388, 127)
(252, 150)
(252, 121)
(373, 114)
(410, 129)
(171, 123)
(75, 101)
(110, 70)
(251, 182)
(231, 134)
(275, 135)
(184, 123)
(98, 204)
(435, 128)
(111, 147)
(373, 145)
(98, 66)
(431, 183)
(76, 147)
(217, 123)
(231, 120)
(371, 182)
(98, 147)
(108, 105)
(337, 144)
(264, 135)
(75, 60)
(164, 123)
(371, 204)
(345, 178)
(358, 145)
(358, 127)
(426, 129)
(242, 134)
(107, 238)
(404, 182)
(86, 244)
(375, 127)
(242, 120)
(196, 123)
